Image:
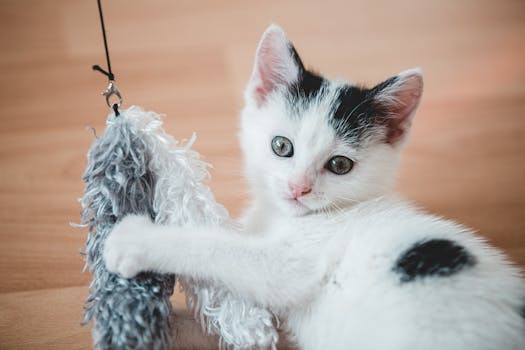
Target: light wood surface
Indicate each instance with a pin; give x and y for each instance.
(190, 60)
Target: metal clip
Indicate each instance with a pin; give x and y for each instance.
(111, 90)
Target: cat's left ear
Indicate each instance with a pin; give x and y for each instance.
(276, 65)
(397, 100)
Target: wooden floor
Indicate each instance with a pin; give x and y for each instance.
(190, 60)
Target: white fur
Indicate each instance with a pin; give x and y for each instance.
(325, 265)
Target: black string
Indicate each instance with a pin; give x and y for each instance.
(108, 73)
(115, 109)
(99, 69)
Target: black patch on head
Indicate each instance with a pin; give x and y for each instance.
(356, 111)
(381, 86)
(309, 84)
(295, 56)
(436, 257)
(355, 114)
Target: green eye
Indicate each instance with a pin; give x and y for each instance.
(282, 146)
(339, 165)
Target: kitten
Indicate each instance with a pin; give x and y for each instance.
(325, 244)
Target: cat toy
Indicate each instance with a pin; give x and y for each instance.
(135, 167)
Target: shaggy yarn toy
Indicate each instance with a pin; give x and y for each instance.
(128, 313)
(136, 168)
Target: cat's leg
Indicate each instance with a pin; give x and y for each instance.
(268, 271)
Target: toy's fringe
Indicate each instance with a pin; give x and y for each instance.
(137, 168)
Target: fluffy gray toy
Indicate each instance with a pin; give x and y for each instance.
(136, 168)
(128, 313)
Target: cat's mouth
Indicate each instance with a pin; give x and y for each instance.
(297, 203)
(296, 208)
(303, 206)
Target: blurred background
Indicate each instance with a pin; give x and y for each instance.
(190, 59)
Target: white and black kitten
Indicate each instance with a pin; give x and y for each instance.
(325, 244)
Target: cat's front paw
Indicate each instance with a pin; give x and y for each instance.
(124, 249)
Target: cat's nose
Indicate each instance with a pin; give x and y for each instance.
(299, 190)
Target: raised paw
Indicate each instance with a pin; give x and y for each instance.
(124, 249)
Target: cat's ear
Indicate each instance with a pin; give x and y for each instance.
(397, 99)
(276, 64)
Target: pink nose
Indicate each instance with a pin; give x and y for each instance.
(300, 190)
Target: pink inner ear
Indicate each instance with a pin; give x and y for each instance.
(396, 131)
(260, 95)
(401, 101)
(274, 64)
(401, 120)
(268, 79)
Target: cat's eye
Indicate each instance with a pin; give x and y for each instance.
(282, 146)
(339, 165)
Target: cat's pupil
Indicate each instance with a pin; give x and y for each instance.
(282, 146)
(339, 165)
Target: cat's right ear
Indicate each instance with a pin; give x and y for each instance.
(276, 64)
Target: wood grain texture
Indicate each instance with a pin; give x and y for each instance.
(190, 60)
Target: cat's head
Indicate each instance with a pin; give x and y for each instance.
(313, 144)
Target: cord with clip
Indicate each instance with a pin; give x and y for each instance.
(112, 89)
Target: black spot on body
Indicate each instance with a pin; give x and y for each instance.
(436, 257)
